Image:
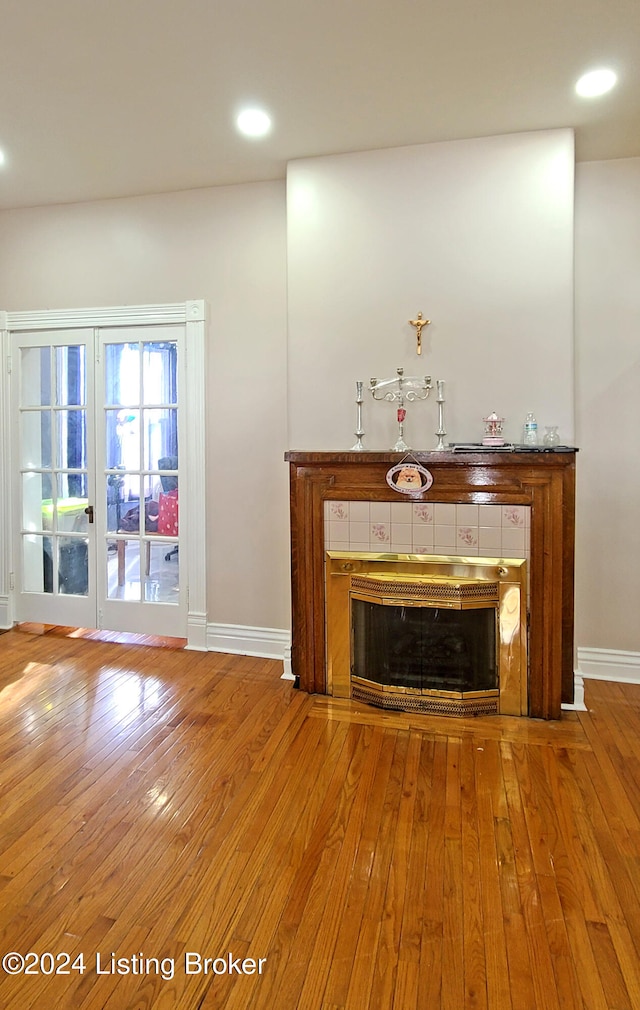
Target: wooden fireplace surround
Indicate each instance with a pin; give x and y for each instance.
(545, 481)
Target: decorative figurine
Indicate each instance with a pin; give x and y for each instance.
(493, 430)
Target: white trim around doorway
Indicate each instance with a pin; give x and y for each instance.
(193, 315)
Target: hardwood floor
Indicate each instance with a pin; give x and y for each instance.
(160, 807)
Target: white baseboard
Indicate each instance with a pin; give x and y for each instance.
(241, 640)
(197, 632)
(609, 664)
(275, 643)
(288, 672)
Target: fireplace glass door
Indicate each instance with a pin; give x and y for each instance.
(424, 647)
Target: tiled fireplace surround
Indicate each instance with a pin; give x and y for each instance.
(514, 504)
(428, 528)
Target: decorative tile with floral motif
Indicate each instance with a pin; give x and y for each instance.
(339, 510)
(423, 513)
(513, 515)
(380, 532)
(468, 536)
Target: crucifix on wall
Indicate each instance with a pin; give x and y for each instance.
(419, 323)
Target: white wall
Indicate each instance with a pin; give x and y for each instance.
(227, 246)
(478, 235)
(374, 239)
(608, 404)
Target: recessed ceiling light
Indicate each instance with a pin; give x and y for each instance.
(253, 123)
(2, 157)
(596, 82)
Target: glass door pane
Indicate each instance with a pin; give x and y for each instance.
(53, 431)
(140, 571)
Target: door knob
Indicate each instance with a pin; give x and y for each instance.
(89, 512)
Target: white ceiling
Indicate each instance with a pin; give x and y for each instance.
(106, 98)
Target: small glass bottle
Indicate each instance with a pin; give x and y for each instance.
(551, 436)
(530, 430)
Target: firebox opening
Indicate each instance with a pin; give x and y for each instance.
(424, 647)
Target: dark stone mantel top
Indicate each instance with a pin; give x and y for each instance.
(480, 454)
(540, 478)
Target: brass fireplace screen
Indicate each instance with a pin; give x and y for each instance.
(434, 634)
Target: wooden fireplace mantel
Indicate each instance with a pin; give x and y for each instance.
(545, 481)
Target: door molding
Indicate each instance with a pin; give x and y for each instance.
(193, 315)
(5, 475)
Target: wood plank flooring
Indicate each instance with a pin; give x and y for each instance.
(160, 807)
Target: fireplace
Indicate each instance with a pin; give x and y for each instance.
(442, 635)
(543, 482)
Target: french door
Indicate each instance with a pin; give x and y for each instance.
(55, 438)
(97, 445)
(139, 559)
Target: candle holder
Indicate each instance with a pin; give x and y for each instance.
(358, 447)
(442, 431)
(402, 389)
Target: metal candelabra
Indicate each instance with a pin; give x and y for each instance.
(402, 389)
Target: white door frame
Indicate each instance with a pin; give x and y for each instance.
(192, 315)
